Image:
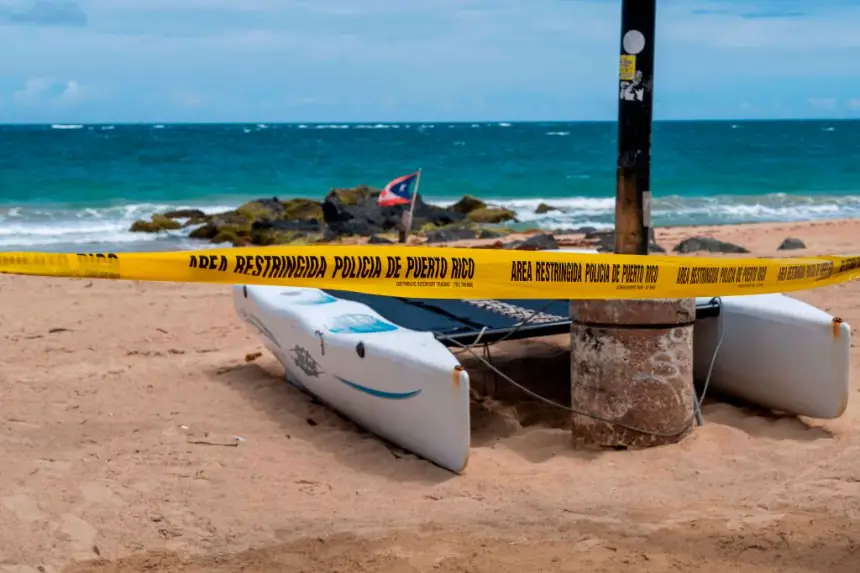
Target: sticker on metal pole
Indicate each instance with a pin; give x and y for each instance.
(633, 89)
(633, 42)
(627, 68)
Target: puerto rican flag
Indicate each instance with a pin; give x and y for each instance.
(398, 191)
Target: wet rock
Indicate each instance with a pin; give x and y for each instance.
(467, 204)
(450, 234)
(285, 232)
(156, 224)
(262, 210)
(425, 213)
(604, 241)
(544, 208)
(490, 234)
(491, 215)
(193, 215)
(357, 212)
(358, 227)
(302, 209)
(542, 242)
(228, 227)
(791, 244)
(343, 212)
(343, 205)
(264, 222)
(707, 244)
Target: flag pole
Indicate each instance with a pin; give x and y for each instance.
(404, 235)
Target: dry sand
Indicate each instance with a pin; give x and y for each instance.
(120, 403)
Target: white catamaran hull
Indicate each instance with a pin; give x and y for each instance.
(400, 384)
(407, 387)
(777, 352)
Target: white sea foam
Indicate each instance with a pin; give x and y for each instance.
(32, 227)
(47, 228)
(599, 212)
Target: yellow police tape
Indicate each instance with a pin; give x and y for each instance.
(453, 273)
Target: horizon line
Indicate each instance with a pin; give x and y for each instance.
(427, 122)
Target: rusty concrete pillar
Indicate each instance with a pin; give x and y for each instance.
(632, 363)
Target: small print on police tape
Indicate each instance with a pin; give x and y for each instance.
(452, 273)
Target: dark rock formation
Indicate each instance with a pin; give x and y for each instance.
(477, 211)
(541, 242)
(468, 204)
(193, 215)
(605, 241)
(791, 244)
(156, 224)
(490, 234)
(265, 222)
(491, 215)
(707, 244)
(343, 212)
(356, 212)
(544, 208)
(453, 233)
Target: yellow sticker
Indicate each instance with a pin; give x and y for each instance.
(627, 68)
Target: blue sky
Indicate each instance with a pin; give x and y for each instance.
(420, 60)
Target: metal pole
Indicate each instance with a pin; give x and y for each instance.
(406, 222)
(613, 342)
(635, 110)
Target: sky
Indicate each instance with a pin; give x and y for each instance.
(110, 61)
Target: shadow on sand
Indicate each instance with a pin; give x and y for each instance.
(303, 417)
(501, 416)
(799, 543)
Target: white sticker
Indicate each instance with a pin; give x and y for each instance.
(632, 91)
(633, 42)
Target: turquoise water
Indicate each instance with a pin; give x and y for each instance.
(66, 187)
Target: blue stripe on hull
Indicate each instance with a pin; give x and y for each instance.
(380, 393)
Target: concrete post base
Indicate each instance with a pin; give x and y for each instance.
(632, 363)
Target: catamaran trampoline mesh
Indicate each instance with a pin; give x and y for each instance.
(465, 321)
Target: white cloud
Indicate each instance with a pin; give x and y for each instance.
(74, 92)
(551, 58)
(46, 90)
(33, 90)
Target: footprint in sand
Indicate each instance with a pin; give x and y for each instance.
(24, 507)
(95, 492)
(82, 535)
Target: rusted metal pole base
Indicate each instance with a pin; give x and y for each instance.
(632, 363)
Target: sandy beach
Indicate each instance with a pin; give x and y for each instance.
(120, 403)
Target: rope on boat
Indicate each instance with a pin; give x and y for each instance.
(695, 417)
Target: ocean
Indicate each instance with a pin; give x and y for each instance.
(78, 188)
